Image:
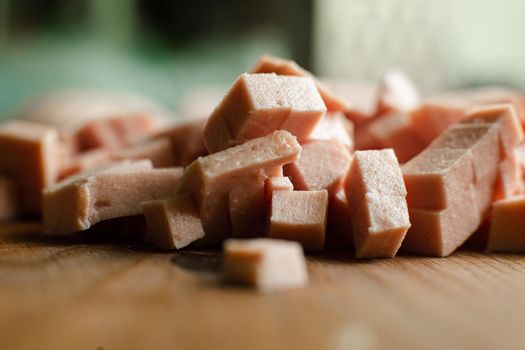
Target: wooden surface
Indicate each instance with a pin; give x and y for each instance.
(70, 293)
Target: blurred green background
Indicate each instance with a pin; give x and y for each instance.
(167, 49)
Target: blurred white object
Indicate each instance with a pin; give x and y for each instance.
(362, 39)
(439, 44)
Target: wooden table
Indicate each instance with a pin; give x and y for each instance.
(70, 293)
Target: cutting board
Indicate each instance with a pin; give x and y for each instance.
(78, 293)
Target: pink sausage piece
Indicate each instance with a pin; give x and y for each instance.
(300, 216)
(397, 93)
(8, 199)
(322, 166)
(86, 161)
(210, 179)
(441, 232)
(81, 201)
(276, 183)
(432, 118)
(435, 177)
(361, 99)
(186, 140)
(334, 127)
(520, 155)
(115, 132)
(373, 171)
(482, 141)
(379, 225)
(393, 130)
(510, 179)
(173, 223)
(246, 204)
(32, 160)
(258, 104)
(492, 95)
(269, 265)
(281, 66)
(339, 224)
(507, 229)
(158, 150)
(505, 118)
(377, 203)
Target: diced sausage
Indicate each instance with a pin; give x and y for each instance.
(393, 130)
(158, 150)
(281, 66)
(322, 166)
(397, 93)
(79, 202)
(441, 232)
(115, 132)
(30, 158)
(432, 118)
(8, 199)
(435, 177)
(276, 183)
(268, 265)
(507, 228)
(377, 203)
(247, 206)
(258, 104)
(334, 127)
(300, 216)
(186, 141)
(210, 179)
(172, 222)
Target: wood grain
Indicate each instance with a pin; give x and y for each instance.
(73, 293)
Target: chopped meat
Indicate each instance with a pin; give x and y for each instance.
(440, 232)
(360, 98)
(510, 179)
(115, 132)
(504, 117)
(339, 224)
(435, 177)
(520, 155)
(31, 159)
(379, 225)
(281, 66)
(322, 165)
(86, 161)
(81, 201)
(482, 142)
(334, 127)
(377, 203)
(432, 118)
(8, 199)
(507, 229)
(247, 206)
(300, 216)
(393, 130)
(258, 104)
(276, 183)
(269, 265)
(186, 141)
(210, 179)
(373, 172)
(397, 93)
(439, 226)
(172, 222)
(158, 150)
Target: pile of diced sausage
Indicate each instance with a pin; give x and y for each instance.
(284, 162)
